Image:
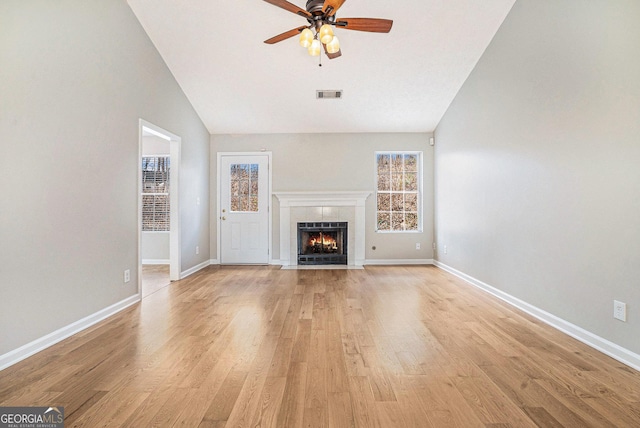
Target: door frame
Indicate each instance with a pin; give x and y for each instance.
(175, 145)
(269, 156)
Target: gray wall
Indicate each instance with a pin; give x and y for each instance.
(155, 247)
(319, 162)
(76, 76)
(538, 164)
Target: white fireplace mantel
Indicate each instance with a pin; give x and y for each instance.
(355, 199)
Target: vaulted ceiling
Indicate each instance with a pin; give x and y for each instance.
(403, 81)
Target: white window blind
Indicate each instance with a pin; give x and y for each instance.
(155, 193)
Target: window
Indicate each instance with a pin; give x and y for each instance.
(399, 191)
(244, 187)
(155, 193)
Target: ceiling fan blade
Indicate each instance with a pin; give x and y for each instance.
(285, 35)
(372, 25)
(333, 4)
(332, 55)
(290, 7)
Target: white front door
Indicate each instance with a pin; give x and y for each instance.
(244, 209)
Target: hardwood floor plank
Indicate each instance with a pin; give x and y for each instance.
(364, 410)
(411, 407)
(146, 411)
(390, 414)
(225, 399)
(281, 358)
(529, 395)
(306, 309)
(575, 401)
(291, 412)
(489, 404)
(269, 403)
(445, 404)
(300, 351)
(336, 370)
(542, 418)
(249, 399)
(340, 413)
(198, 402)
(387, 346)
(316, 388)
(291, 321)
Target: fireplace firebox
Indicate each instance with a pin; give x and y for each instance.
(322, 243)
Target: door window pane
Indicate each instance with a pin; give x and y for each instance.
(244, 187)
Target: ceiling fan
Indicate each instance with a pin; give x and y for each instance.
(321, 17)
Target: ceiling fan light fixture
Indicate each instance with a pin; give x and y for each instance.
(314, 49)
(326, 34)
(334, 45)
(321, 17)
(306, 37)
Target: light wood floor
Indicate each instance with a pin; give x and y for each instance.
(154, 277)
(380, 347)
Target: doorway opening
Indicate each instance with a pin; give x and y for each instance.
(158, 213)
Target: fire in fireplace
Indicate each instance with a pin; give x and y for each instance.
(322, 243)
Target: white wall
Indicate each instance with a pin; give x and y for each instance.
(76, 76)
(537, 164)
(308, 162)
(155, 146)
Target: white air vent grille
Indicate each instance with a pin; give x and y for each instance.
(321, 95)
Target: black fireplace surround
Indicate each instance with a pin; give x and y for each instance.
(322, 243)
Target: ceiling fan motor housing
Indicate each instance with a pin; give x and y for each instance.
(314, 7)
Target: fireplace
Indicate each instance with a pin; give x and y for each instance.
(322, 243)
(322, 206)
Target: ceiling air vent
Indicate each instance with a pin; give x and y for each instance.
(321, 95)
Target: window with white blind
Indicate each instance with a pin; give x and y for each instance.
(155, 193)
(399, 191)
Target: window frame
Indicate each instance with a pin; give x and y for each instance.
(420, 171)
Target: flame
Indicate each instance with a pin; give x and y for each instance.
(324, 240)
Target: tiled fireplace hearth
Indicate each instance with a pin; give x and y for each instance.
(305, 207)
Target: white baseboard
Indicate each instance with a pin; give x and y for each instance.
(381, 262)
(322, 267)
(605, 346)
(17, 355)
(395, 262)
(155, 261)
(274, 262)
(194, 269)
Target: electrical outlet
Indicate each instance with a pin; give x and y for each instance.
(197, 250)
(445, 249)
(197, 201)
(620, 310)
(417, 245)
(434, 246)
(127, 275)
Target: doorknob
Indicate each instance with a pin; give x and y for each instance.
(224, 211)
(223, 218)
